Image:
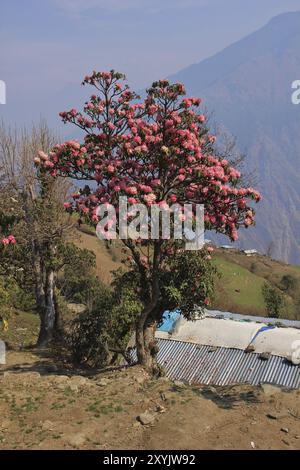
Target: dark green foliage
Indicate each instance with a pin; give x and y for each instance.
(188, 284)
(97, 336)
(274, 300)
(13, 297)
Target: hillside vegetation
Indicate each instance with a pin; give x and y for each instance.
(239, 288)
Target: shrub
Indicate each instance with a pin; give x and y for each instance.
(99, 335)
(274, 300)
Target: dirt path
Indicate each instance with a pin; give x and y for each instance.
(44, 406)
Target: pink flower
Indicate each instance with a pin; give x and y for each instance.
(110, 169)
(146, 189)
(12, 240)
(131, 190)
(150, 198)
(155, 183)
(241, 203)
(43, 156)
(132, 200)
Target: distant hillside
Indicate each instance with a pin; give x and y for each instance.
(248, 88)
(239, 288)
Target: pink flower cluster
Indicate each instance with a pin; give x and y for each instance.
(155, 152)
(10, 240)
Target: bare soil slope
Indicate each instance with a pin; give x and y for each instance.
(44, 405)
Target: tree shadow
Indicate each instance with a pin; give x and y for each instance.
(229, 397)
(49, 363)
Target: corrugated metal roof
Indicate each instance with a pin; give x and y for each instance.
(223, 366)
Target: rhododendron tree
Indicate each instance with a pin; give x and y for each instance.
(156, 151)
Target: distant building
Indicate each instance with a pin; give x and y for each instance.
(227, 247)
(250, 252)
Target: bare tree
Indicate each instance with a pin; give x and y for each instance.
(43, 223)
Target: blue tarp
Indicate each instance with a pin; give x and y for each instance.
(169, 318)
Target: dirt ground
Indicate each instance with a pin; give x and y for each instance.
(43, 405)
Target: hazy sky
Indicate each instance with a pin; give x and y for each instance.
(47, 46)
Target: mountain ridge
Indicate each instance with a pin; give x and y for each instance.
(248, 88)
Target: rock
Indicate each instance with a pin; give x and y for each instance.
(160, 409)
(249, 348)
(286, 430)
(61, 382)
(178, 383)
(275, 415)
(252, 444)
(74, 387)
(61, 379)
(146, 418)
(76, 440)
(269, 389)
(80, 381)
(286, 442)
(166, 396)
(7, 374)
(264, 356)
(102, 382)
(140, 379)
(48, 425)
(5, 423)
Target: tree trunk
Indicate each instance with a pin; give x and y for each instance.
(38, 277)
(146, 345)
(48, 314)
